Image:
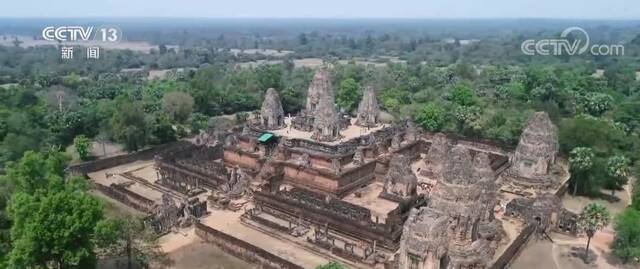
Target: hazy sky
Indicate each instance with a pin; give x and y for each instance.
(588, 9)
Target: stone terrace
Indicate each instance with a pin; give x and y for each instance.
(351, 132)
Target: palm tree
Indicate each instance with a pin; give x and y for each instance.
(581, 161)
(594, 217)
(617, 171)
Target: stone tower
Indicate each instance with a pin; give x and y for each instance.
(457, 229)
(271, 113)
(536, 151)
(400, 182)
(326, 123)
(436, 156)
(319, 87)
(368, 109)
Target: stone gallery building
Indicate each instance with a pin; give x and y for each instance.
(372, 194)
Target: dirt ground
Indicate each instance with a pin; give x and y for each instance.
(229, 222)
(201, 255)
(529, 258)
(185, 250)
(558, 253)
(182, 249)
(197, 255)
(577, 203)
(540, 254)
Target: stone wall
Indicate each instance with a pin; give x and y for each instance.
(412, 150)
(514, 249)
(322, 180)
(345, 218)
(243, 249)
(127, 197)
(188, 168)
(243, 159)
(485, 144)
(146, 154)
(342, 148)
(355, 178)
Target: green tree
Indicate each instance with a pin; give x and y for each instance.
(82, 145)
(163, 131)
(178, 105)
(349, 94)
(431, 117)
(514, 90)
(462, 95)
(628, 112)
(626, 243)
(5, 224)
(35, 171)
(198, 122)
(129, 125)
(594, 217)
(129, 238)
(391, 104)
(635, 195)
(597, 134)
(581, 162)
(269, 76)
(53, 228)
(620, 76)
(596, 103)
(617, 172)
(469, 121)
(464, 71)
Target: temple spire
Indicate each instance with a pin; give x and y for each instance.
(271, 113)
(368, 109)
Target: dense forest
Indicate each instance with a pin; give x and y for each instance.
(485, 89)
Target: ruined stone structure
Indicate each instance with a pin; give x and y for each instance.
(436, 156)
(327, 121)
(321, 115)
(545, 212)
(189, 169)
(231, 193)
(457, 228)
(412, 133)
(165, 216)
(536, 152)
(271, 113)
(382, 194)
(319, 88)
(368, 109)
(400, 182)
(194, 207)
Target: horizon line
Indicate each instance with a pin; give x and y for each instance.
(320, 18)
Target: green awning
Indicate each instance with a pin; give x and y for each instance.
(264, 138)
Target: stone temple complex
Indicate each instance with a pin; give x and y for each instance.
(322, 186)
